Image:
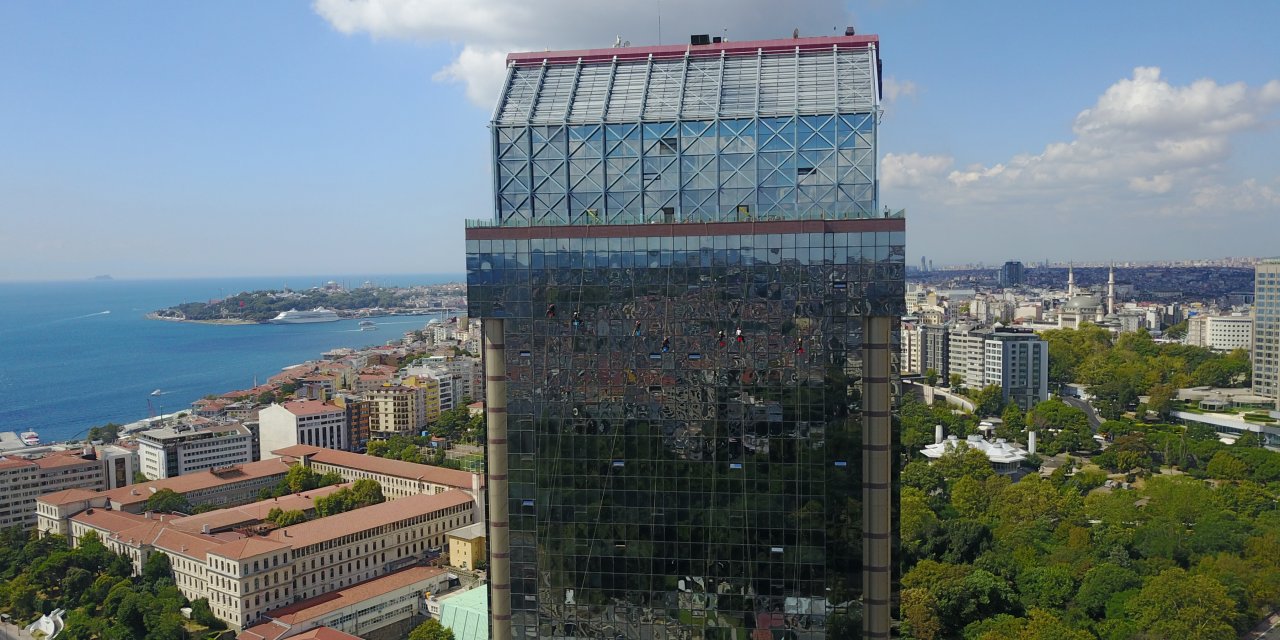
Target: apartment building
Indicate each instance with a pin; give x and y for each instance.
(310, 422)
(1018, 361)
(173, 451)
(397, 410)
(967, 355)
(359, 412)
(26, 477)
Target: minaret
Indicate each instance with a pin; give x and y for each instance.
(1111, 291)
(1071, 281)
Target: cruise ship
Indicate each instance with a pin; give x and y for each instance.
(293, 316)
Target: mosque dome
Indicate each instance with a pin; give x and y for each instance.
(1079, 303)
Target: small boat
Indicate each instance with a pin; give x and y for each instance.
(30, 438)
(367, 325)
(157, 392)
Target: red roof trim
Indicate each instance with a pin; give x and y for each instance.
(687, 229)
(744, 48)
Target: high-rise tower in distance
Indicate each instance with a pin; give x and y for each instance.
(1266, 329)
(689, 295)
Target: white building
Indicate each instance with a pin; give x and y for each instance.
(967, 355)
(910, 348)
(1005, 456)
(173, 451)
(1220, 333)
(26, 477)
(302, 422)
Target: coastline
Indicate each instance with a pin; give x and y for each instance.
(229, 321)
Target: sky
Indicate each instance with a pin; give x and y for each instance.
(147, 140)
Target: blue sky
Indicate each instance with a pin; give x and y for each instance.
(188, 139)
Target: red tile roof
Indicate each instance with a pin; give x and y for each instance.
(189, 482)
(385, 466)
(67, 496)
(342, 524)
(310, 407)
(312, 608)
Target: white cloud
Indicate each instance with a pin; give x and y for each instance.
(1148, 154)
(895, 88)
(1143, 138)
(913, 170)
(486, 30)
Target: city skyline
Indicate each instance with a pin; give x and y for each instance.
(272, 134)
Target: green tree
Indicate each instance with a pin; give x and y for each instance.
(919, 614)
(956, 381)
(1160, 400)
(431, 630)
(962, 461)
(1101, 584)
(1046, 587)
(156, 567)
(989, 401)
(1176, 604)
(916, 518)
(168, 501)
(923, 476)
(931, 377)
(1013, 422)
(1225, 466)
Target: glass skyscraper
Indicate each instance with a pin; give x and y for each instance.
(689, 296)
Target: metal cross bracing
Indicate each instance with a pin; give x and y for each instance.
(747, 169)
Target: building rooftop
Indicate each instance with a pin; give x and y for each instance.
(469, 532)
(187, 431)
(49, 460)
(787, 77)
(300, 613)
(998, 452)
(248, 547)
(68, 496)
(253, 513)
(714, 50)
(466, 613)
(384, 466)
(189, 482)
(310, 407)
(342, 524)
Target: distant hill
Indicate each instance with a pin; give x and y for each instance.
(260, 306)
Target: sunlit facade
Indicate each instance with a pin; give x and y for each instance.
(689, 299)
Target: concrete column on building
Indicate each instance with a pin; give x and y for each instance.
(495, 406)
(877, 478)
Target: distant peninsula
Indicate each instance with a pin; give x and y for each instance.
(102, 277)
(255, 307)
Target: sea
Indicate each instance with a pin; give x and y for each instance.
(75, 355)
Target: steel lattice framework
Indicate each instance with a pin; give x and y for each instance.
(779, 133)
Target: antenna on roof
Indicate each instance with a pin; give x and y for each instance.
(795, 33)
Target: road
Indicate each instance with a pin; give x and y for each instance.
(1095, 421)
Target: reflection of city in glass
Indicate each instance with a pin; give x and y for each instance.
(685, 279)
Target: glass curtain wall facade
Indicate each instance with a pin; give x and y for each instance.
(678, 316)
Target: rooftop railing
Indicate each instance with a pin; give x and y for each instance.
(588, 220)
